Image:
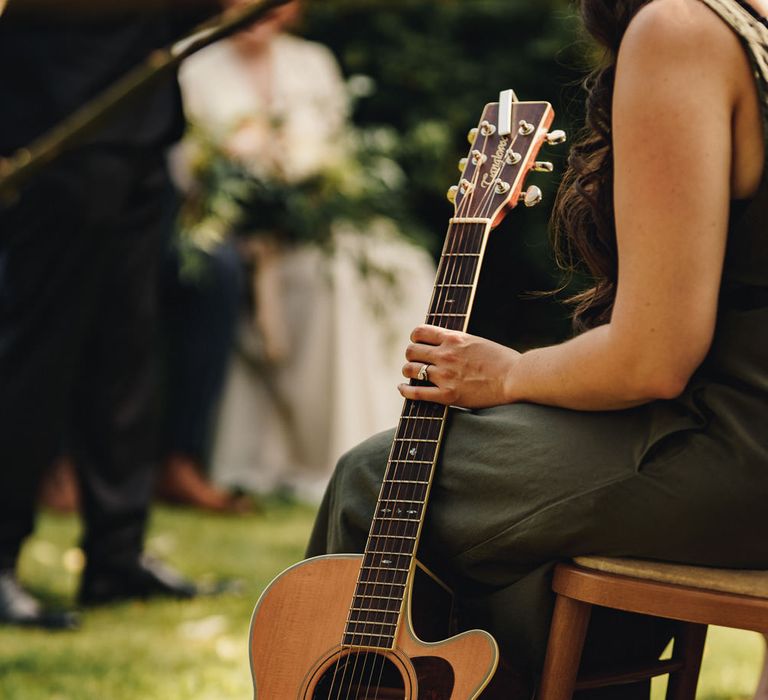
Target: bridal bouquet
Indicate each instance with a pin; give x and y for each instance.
(242, 187)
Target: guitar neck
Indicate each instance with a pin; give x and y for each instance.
(389, 558)
(504, 146)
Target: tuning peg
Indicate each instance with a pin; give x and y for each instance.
(543, 166)
(472, 135)
(486, 128)
(532, 196)
(555, 138)
(463, 164)
(526, 128)
(452, 192)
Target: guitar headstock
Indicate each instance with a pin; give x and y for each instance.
(503, 150)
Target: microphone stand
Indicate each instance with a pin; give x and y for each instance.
(27, 161)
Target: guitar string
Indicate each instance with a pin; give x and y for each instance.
(489, 195)
(415, 425)
(457, 263)
(393, 483)
(410, 439)
(453, 271)
(418, 410)
(369, 584)
(446, 282)
(409, 436)
(452, 268)
(487, 200)
(401, 450)
(390, 479)
(358, 590)
(448, 279)
(402, 439)
(384, 532)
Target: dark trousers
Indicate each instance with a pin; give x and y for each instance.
(201, 306)
(79, 252)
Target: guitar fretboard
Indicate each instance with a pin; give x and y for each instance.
(390, 552)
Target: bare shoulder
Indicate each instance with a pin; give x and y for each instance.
(686, 31)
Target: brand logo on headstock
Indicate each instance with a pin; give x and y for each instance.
(496, 163)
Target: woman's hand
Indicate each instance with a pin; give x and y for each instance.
(466, 370)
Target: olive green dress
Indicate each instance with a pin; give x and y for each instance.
(522, 486)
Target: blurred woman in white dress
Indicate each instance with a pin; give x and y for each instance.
(297, 395)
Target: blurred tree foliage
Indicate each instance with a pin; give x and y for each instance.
(431, 66)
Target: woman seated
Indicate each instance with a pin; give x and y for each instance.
(645, 434)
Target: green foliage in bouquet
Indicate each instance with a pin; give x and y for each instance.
(229, 197)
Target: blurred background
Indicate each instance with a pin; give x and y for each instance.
(432, 65)
(312, 211)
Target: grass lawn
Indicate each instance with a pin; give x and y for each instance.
(197, 650)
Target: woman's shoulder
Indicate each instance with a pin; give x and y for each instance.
(670, 35)
(678, 27)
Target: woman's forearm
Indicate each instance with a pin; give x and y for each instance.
(592, 372)
(607, 368)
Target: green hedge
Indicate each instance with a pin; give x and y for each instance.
(433, 65)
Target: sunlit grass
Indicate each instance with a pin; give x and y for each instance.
(159, 650)
(197, 650)
(731, 666)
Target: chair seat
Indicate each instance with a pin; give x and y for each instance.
(749, 583)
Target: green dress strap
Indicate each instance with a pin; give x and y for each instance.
(753, 32)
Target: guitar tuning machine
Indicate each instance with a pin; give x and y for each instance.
(478, 157)
(486, 128)
(555, 138)
(526, 128)
(472, 135)
(463, 164)
(532, 196)
(543, 166)
(464, 187)
(512, 157)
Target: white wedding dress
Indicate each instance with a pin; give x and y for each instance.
(336, 337)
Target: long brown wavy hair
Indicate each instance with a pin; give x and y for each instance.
(583, 225)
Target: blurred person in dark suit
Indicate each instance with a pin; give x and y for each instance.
(79, 252)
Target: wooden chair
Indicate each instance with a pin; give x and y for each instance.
(694, 596)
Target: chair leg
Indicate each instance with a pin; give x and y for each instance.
(689, 647)
(566, 641)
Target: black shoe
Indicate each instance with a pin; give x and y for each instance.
(17, 607)
(146, 578)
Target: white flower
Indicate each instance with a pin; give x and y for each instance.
(359, 86)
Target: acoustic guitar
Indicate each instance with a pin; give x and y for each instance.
(340, 627)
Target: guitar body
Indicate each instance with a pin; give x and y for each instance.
(296, 651)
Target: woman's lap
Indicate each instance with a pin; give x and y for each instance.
(520, 487)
